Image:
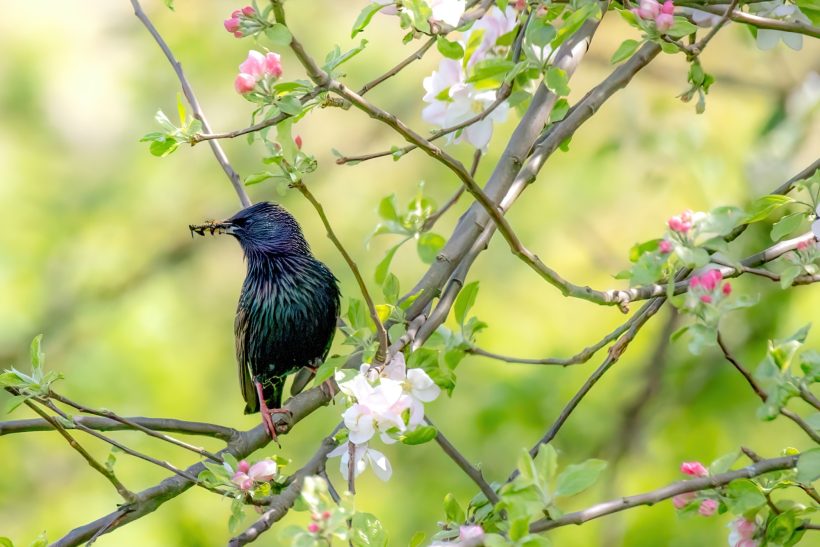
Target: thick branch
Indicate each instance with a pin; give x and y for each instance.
(674, 489)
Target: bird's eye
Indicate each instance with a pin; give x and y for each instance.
(240, 222)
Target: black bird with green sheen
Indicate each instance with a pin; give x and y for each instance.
(287, 311)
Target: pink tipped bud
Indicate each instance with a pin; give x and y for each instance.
(248, 11)
(244, 83)
(326, 515)
(694, 282)
(247, 484)
(236, 13)
(243, 466)
(665, 247)
(696, 469)
(711, 279)
(297, 140)
(520, 4)
(682, 500)
(664, 22)
(668, 8)
(313, 528)
(707, 508)
(232, 24)
(726, 289)
(273, 65)
(648, 9)
(803, 245)
(239, 34)
(706, 299)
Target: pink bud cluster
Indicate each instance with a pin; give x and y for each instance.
(707, 287)
(662, 15)
(247, 475)
(318, 521)
(681, 223)
(708, 506)
(233, 23)
(257, 68)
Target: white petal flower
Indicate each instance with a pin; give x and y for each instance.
(493, 25)
(363, 456)
(447, 11)
(263, 470)
(422, 386)
(380, 464)
(358, 387)
(359, 420)
(396, 369)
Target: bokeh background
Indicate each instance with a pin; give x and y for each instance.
(95, 254)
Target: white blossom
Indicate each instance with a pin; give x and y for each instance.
(768, 38)
(364, 456)
(447, 11)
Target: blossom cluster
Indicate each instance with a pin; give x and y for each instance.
(707, 288)
(452, 100)
(742, 533)
(247, 476)
(388, 402)
(682, 229)
(706, 507)
(661, 14)
(240, 21)
(258, 72)
(444, 11)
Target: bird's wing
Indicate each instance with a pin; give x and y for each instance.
(241, 334)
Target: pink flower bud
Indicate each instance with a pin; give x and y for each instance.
(239, 34)
(247, 11)
(298, 142)
(668, 8)
(682, 500)
(726, 289)
(273, 65)
(665, 247)
(326, 515)
(244, 83)
(243, 466)
(706, 299)
(803, 245)
(707, 508)
(664, 22)
(232, 24)
(520, 4)
(314, 516)
(313, 528)
(694, 282)
(254, 64)
(696, 469)
(247, 484)
(711, 279)
(236, 13)
(648, 9)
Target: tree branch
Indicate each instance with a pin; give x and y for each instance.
(674, 489)
(220, 155)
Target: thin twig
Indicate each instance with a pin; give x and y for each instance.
(466, 466)
(432, 219)
(139, 427)
(415, 56)
(715, 29)
(761, 393)
(126, 494)
(674, 489)
(381, 332)
(220, 155)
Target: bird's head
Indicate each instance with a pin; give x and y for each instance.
(264, 227)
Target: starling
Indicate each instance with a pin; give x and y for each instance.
(287, 311)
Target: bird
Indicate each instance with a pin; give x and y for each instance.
(288, 306)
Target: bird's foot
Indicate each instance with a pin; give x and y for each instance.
(267, 413)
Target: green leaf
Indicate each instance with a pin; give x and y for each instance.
(577, 478)
(452, 510)
(279, 34)
(762, 207)
(364, 18)
(788, 276)
(743, 496)
(40, 541)
(6, 542)
(387, 208)
(420, 435)
(290, 105)
(540, 32)
(417, 539)
(390, 288)
(557, 80)
(574, 22)
(723, 463)
(493, 68)
(546, 462)
(464, 301)
(626, 49)
(256, 178)
(181, 110)
(534, 540)
(451, 50)
(526, 466)
(682, 27)
(519, 528)
(428, 246)
(37, 356)
(366, 531)
(808, 466)
(14, 402)
(384, 264)
(786, 225)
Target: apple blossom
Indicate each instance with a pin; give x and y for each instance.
(297, 140)
(647, 9)
(244, 83)
(741, 533)
(696, 469)
(389, 8)
(231, 24)
(255, 68)
(681, 223)
(447, 11)
(493, 25)
(707, 508)
(243, 466)
(246, 475)
(768, 38)
(363, 456)
(665, 246)
(313, 527)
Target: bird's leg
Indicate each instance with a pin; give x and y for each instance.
(266, 413)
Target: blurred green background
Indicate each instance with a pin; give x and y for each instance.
(95, 253)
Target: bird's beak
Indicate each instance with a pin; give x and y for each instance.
(213, 226)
